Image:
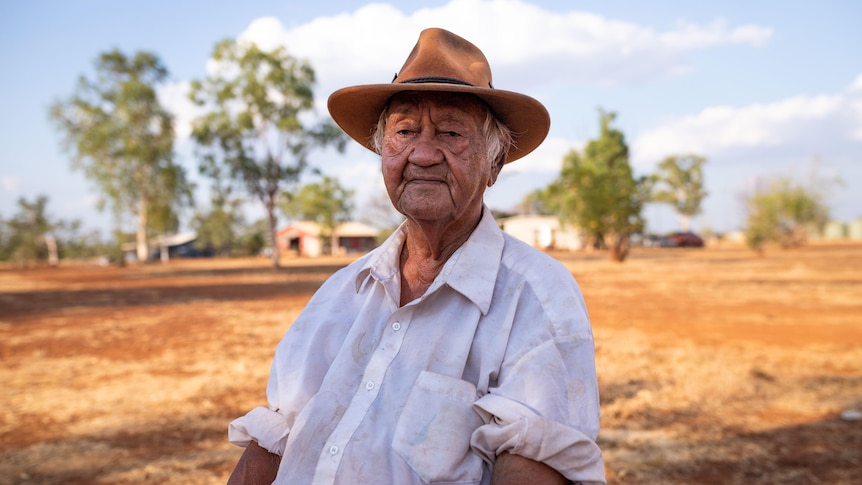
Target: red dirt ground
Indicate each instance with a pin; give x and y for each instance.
(715, 365)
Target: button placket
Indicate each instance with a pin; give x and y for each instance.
(386, 351)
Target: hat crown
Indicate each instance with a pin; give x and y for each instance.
(443, 57)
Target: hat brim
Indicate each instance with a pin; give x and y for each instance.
(356, 110)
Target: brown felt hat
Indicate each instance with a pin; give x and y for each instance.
(441, 61)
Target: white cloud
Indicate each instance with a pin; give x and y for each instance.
(854, 93)
(689, 36)
(807, 125)
(369, 45)
(10, 183)
(91, 200)
(174, 97)
(525, 44)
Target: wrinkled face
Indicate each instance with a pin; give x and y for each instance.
(435, 162)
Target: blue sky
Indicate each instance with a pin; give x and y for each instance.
(759, 88)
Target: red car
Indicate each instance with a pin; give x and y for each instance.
(684, 240)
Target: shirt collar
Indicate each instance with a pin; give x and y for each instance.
(471, 270)
(382, 264)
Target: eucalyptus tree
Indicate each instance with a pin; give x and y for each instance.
(679, 182)
(597, 193)
(122, 138)
(253, 101)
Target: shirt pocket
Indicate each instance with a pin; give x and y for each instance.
(434, 429)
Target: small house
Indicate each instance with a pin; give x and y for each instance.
(304, 238)
(543, 232)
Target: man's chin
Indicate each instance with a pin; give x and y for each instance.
(426, 212)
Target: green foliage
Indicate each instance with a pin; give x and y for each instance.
(218, 231)
(75, 245)
(252, 240)
(31, 235)
(783, 213)
(679, 182)
(252, 125)
(122, 139)
(168, 198)
(24, 235)
(597, 192)
(326, 203)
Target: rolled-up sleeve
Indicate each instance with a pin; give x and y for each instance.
(546, 408)
(263, 425)
(515, 428)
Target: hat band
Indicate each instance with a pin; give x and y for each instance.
(435, 79)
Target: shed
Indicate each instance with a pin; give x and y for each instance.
(165, 247)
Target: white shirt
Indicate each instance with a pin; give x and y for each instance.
(496, 356)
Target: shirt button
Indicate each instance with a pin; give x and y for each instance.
(369, 385)
(396, 326)
(333, 450)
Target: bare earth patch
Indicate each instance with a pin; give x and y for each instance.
(715, 365)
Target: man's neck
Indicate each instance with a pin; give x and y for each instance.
(425, 251)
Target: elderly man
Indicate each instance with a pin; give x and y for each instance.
(453, 353)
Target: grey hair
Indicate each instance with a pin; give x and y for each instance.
(499, 139)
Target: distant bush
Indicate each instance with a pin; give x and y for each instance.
(783, 212)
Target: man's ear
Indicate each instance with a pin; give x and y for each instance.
(495, 169)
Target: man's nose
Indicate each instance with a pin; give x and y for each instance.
(426, 149)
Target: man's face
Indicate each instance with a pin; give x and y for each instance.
(435, 162)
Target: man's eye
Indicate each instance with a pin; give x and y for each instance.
(453, 134)
(404, 132)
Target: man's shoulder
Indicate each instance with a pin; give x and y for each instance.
(346, 276)
(357, 266)
(545, 282)
(528, 260)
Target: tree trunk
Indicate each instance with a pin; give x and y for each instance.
(143, 249)
(619, 246)
(333, 242)
(685, 222)
(53, 255)
(273, 221)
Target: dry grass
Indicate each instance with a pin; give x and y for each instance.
(715, 366)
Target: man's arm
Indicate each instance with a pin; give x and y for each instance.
(512, 469)
(256, 466)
